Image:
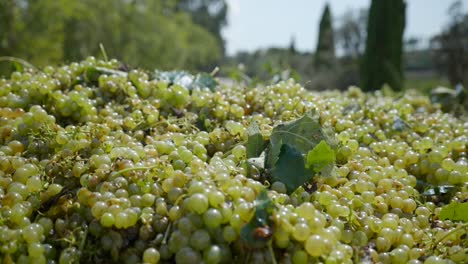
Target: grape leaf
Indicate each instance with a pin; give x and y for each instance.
(205, 80)
(258, 162)
(439, 190)
(186, 79)
(320, 157)
(455, 211)
(303, 134)
(255, 142)
(263, 209)
(290, 168)
(398, 124)
(91, 74)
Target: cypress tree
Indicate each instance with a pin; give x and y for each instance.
(325, 52)
(292, 45)
(382, 62)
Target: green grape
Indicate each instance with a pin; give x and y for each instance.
(300, 257)
(198, 203)
(35, 249)
(216, 198)
(212, 218)
(317, 246)
(212, 254)
(187, 255)
(140, 169)
(229, 234)
(177, 241)
(107, 220)
(279, 187)
(200, 239)
(301, 231)
(151, 256)
(306, 210)
(434, 260)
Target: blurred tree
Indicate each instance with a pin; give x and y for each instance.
(411, 44)
(382, 61)
(27, 33)
(351, 33)
(325, 52)
(209, 14)
(8, 26)
(147, 33)
(292, 45)
(450, 47)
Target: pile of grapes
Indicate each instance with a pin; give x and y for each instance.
(99, 164)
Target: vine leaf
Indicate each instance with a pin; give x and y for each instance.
(186, 79)
(320, 157)
(303, 134)
(255, 142)
(205, 80)
(261, 221)
(290, 168)
(91, 74)
(455, 211)
(295, 142)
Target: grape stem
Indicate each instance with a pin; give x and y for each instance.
(18, 60)
(166, 234)
(103, 51)
(83, 239)
(134, 169)
(460, 227)
(270, 249)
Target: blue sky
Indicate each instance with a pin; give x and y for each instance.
(255, 24)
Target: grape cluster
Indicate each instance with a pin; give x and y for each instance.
(99, 165)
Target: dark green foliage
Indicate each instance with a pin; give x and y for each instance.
(261, 220)
(209, 14)
(325, 52)
(382, 62)
(292, 156)
(152, 34)
(255, 142)
(290, 168)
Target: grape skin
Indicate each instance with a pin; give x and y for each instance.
(122, 160)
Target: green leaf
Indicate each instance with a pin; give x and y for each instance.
(321, 157)
(455, 211)
(258, 162)
(186, 79)
(263, 210)
(255, 142)
(290, 168)
(439, 190)
(91, 74)
(18, 66)
(205, 80)
(303, 134)
(399, 124)
(447, 98)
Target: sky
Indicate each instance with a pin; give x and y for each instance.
(258, 24)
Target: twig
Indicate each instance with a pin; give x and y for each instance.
(270, 249)
(133, 168)
(103, 51)
(18, 60)
(166, 234)
(465, 225)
